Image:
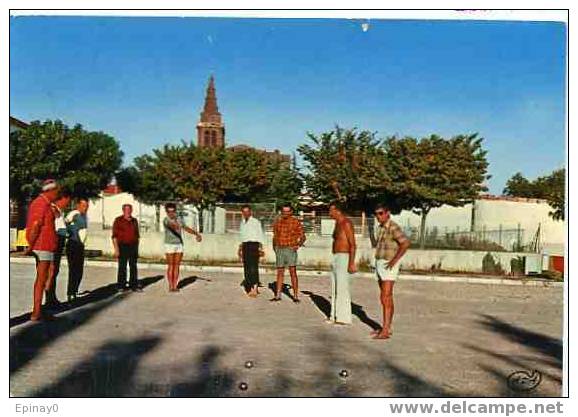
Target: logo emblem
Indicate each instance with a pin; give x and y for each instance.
(524, 381)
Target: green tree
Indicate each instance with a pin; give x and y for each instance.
(198, 176)
(347, 165)
(83, 162)
(249, 175)
(548, 187)
(434, 171)
(285, 182)
(556, 194)
(519, 186)
(258, 177)
(146, 183)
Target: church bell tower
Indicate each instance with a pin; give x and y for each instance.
(210, 129)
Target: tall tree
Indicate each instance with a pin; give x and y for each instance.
(82, 161)
(146, 182)
(435, 171)
(198, 176)
(249, 175)
(548, 187)
(285, 182)
(347, 165)
(519, 186)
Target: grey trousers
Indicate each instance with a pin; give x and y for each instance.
(340, 294)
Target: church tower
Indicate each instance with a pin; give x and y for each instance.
(210, 129)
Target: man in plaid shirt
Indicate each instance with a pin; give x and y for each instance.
(288, 237)
(391, 246)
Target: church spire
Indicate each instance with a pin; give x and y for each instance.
(210, 129)
(211, 107)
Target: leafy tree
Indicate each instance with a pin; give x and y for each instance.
(258, 176)
(435, 171)
(194, 175)
(146, 183)
(519, 186)
(249, 175)
(346, 165)
(549, 187)
(83, 162)
(285, 182)
(556, 194)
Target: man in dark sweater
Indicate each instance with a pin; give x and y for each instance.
(125, 238)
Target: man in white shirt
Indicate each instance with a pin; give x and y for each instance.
(58, 207)
(251, 249)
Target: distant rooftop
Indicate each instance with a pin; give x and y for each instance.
(510, 198)
(17, 122)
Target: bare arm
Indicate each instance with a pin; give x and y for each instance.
(303, 238)
(401, 250)
(114, 240)
(193, 232)
(33, 235)
(350, 236)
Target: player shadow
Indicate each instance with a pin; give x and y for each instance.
(185, 282)
(285, 289)
(546, 359)
(357, 310)
(107, 373)
(201, 377)
(329, 359)
(538, 342)
(320, 302)
(98, 294)
(29, 341)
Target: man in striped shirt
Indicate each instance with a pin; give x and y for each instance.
(288, 237)
(390, 247)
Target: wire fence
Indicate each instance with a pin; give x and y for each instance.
(501, 239)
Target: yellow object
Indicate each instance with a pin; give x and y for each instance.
(21, 239)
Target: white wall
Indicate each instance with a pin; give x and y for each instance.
(530, 215)
(490, 214)
(316, 252)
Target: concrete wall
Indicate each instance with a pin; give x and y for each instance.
(103, 211)
(315, 253)
(529, 215)
(488, 214)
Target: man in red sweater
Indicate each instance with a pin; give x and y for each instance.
(125, 238)
(42, 242)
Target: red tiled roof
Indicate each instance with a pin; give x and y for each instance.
(510, 198)
(16, 122)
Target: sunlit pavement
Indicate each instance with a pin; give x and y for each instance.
(449, 339)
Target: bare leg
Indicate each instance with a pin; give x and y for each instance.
(169, 257)
(279, 286)
(386, 297)
(176, 269)
(42, 274)
(294, 281)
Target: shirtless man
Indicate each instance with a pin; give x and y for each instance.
(343, 266)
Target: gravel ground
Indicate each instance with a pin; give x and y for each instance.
(450, 339)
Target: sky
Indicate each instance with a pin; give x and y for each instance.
(143, 81)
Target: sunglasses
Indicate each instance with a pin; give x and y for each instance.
(379, 213)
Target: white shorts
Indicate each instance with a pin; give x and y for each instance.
(174, 248)
(382, 273)
(44, 255)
